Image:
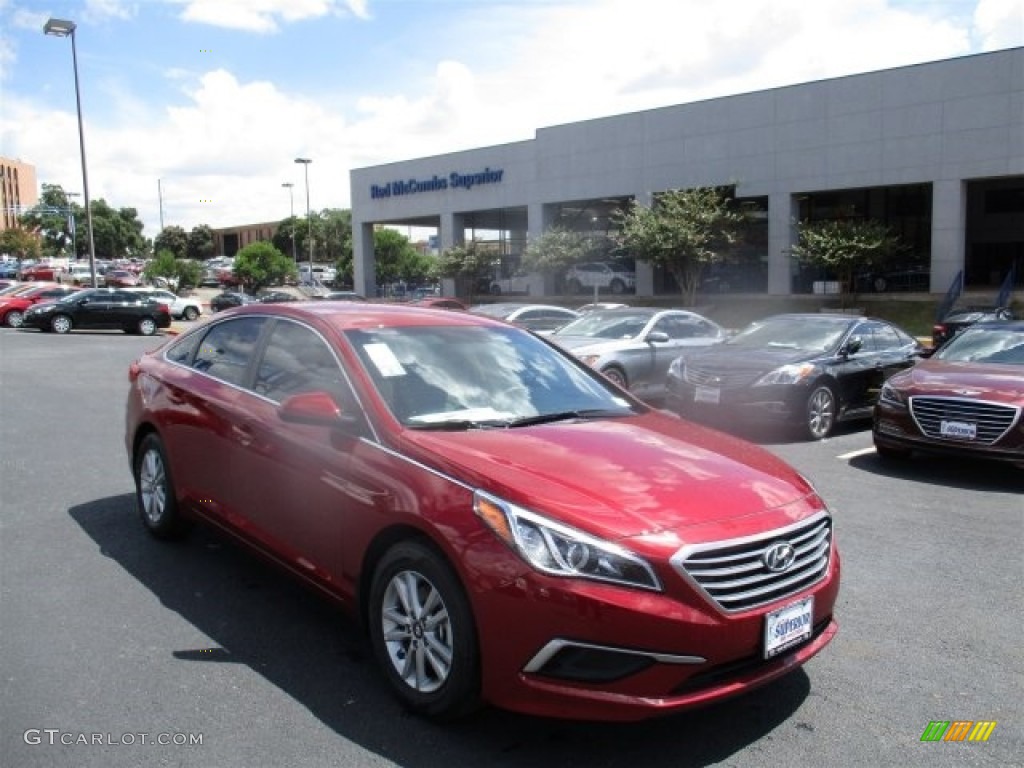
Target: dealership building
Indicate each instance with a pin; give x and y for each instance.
(935, 151)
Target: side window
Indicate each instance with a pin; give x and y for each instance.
(298, 360)
(181, 350)
(886, 338)
(866, 332)
(226, 350)
(676, 328)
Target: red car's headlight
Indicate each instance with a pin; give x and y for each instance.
(560, 550)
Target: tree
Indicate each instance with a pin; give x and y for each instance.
(555, 251)
(52, 220)
(117, 233)
(201, 243)
(261, 264)
(396, 258)
(844, 247)
(683, 232)
(179, 273)
(173, 239)
(20, 243)
(470, 266)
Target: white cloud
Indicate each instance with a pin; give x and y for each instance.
(999, 23)
(262, 16)
(225, 145)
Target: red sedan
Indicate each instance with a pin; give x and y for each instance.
(122, 278)
(967, 399)
(41, 271)
(510, 526)
(13, 305)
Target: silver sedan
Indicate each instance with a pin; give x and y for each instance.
(634, 346)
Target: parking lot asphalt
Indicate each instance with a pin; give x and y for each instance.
(107, 631)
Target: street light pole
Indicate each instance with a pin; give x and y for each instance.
(305, 161)
(64, 28)
(291, 199)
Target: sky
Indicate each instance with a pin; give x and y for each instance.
(195, 110)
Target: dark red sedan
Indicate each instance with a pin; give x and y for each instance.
(967, 399)
(510, 527)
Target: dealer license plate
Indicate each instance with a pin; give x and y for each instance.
(959, 430)
(707, 395)
(788, 626)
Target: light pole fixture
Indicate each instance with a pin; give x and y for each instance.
(305, 161)
(291, 199)
(64, 28)
(74, 226)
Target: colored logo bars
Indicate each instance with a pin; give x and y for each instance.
(958, 730)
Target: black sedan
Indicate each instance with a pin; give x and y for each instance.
(965, 400)
(276, 297)
(960, 318)
(100, 308)
(229, 299)
(809, 370)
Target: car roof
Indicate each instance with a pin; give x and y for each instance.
(352, 315)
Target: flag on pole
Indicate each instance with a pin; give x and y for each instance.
(1003, 299)
(955, 289)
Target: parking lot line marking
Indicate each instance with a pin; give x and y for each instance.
(855, 454)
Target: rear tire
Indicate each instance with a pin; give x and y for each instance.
(422, 632)
(146, 326)
(14, 319)
(154, 491)
(191, 313)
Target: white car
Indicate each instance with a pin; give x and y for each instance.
(181, 308)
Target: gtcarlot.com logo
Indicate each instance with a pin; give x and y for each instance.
(55, 736)
(958, 730)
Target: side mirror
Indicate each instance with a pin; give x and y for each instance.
(659, 337)
(853, 346)
(315, 408)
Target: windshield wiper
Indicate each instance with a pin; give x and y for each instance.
(547, 418)
(455, 425)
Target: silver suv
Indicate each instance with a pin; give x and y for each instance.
(604, 275)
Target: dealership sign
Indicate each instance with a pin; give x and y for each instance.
(435, 183)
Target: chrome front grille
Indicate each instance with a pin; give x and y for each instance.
(707, 377)
(735, 576)
(992, 420)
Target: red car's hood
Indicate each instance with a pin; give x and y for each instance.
(616, 477)
(997, 383)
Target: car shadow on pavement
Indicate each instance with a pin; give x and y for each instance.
(949, 471)
(259, 616)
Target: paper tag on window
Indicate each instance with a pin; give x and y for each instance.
(385, 360)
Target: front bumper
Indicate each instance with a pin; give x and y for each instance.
(566, 648)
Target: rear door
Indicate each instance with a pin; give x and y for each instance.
(208, 408)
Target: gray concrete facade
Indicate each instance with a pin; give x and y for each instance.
(945, 124)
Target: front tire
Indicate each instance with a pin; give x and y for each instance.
(617, 287)
(191, 313)
(616, 376)
(422, 632)
(14, 319)
(60, 324)
(154, 491)
(820, 412)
